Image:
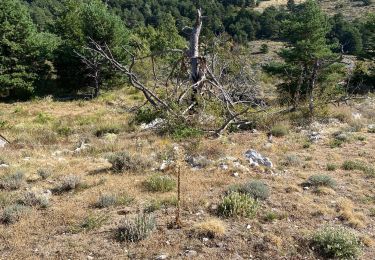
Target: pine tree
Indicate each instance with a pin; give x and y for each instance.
(308, 60)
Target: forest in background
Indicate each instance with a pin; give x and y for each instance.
(43, 40)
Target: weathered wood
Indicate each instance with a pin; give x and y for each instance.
(197, 63)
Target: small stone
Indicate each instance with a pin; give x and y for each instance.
(89, 257)
(205, 239)
(248, 227)
(162, 257)
(220, 244)
(236, 174)
(191, 253)
(214, 207)
(224, 166)
(4, 165)
(306, 188)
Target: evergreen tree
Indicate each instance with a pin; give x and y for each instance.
(22, 50)
(346, 35)
(81, 23)
(309, 67)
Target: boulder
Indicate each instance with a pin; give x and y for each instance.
(158, 122)
(256, 159)
(198, 161)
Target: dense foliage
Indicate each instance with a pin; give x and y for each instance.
(43, 41)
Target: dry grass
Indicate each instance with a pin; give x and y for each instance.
(348, 214)
(47, 232)
(210, 228)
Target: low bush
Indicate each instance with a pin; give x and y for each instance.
(123, 161)
(160, 183)
(146, 115)
(336, 242)
(34, 199)
(270, 216)
(134, 230)
(44, 173)
(279, 130)
(155, 205)
(107, 129)
(69, 183)
(292, 160)
(238, 205)
(255, 189)
(357, 165)
(12, 181)
(13, 213)
(90, 222)
(331, 167)
(108, 200)
(321, 180)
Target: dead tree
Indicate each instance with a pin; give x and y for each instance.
(195, 83)
(198, 63)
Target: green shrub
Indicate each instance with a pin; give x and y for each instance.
(279, 130)
(336, 242)
(155, 205)
(355, 126)
(44, 173)
(64, 130)
(108, 200)
(271, 216)
(13, 213)
(90, 222)
(107, 129)
(292, 160)
(137, 229)
(351, 165)
(160, 183)
(123, 161)
(264, 48)
(69, 183)
(357, 165)
(255, 189)
(146, 115)
(184, 132)
(34, 199)
(12, 181)
(336, 143)
(237, 204)
(331, 167)
(5, 199)
(321, 180)
(42, 118)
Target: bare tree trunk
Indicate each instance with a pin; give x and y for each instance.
(312, 88)
(97, 85)
(299, 86)
(195, 59)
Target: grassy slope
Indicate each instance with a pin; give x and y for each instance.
(350, 9)
(48, 233)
